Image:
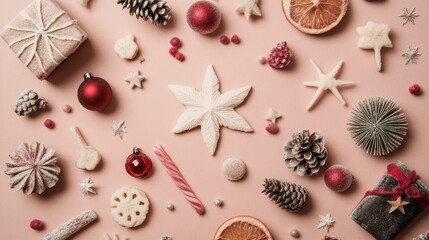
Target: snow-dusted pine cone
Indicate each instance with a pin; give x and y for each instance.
(424, 236)
(288, 196)
(29, 102)
(156, 11)
(305, 152)
(280, 56)
(32, 168)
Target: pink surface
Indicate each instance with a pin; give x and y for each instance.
(151, 112)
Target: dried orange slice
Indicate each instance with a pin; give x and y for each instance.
(242, 228)
(314, 16)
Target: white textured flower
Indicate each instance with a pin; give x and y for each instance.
(87, 186)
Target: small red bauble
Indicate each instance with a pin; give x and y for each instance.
(203, 17)
(175, 42)
(224, 39)
(179, 56)
(94, 93)
(138, 164)
(36, 224)
(415, 89)
(338, 178)
(235, 39)
(49, 123)
(272, 128)
(173, 51)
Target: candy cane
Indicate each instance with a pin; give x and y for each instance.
(179, 180)
(69, 228)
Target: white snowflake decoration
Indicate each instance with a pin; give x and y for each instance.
(326, 221)
(42, 31)
(408, 16)
(87, 186)
(119, 128)
(411, 55)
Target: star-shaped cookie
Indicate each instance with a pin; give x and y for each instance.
(374, 36)
(210, 109)
(327, 81)
(135, 79)
(249, 8)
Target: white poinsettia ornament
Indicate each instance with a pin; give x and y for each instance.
(210, 109)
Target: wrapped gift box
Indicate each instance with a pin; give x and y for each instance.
(42, 36)
(372, 213)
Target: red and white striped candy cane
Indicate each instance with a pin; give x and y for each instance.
(179, 180)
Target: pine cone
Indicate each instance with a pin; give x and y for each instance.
(29, 102)
(305, 152)
(279, 56)
(156, 11)
(288, 196)
(424, 236)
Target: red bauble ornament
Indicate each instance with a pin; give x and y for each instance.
(36, 224)
(338, 178)
(203, 17)
(94, 93)
(138, 164)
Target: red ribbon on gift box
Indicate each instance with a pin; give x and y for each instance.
(405, 187)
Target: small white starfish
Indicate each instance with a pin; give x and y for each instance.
(327, 81)
(408, 16)
(135, 79)
(86, 186)
(249, 8)
(272, 115)
(374, 36)
(119, 128)
(411, 55)
(326, 221)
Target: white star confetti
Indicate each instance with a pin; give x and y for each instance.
(272, 115)
(327, 81)
(87, 186)
(210, 109)
(408, 16)
(326, 221)
(119, 128)
(135, 79)
(249, 8)
(411, 55)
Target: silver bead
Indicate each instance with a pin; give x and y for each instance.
(295, 233)
(169, 206)
(67, 108)
(218, 202)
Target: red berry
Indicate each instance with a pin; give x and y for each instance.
(49, 123)
(180, 57)
(138, 164)
(224, 39)
(173, 51)
(272, 128)
(235, 39)
(415, 89)
(175, 42)
(36, 224)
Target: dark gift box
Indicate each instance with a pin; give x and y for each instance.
(372, 213)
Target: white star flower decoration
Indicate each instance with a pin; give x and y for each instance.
(210, 109)
(408, 16)
(411, 55)
(249, 8)
(119, 128)
(374, 36)
(327, 81)
(87, 186)
(135, 79)
(326, 221)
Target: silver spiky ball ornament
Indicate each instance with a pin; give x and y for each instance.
(377, 125)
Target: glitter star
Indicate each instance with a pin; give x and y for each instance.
(411, 55)
(119, 128)
(398, 204)
(326, 221)
(327, 81)
(86, 186)
(135, 79)
(408, 16)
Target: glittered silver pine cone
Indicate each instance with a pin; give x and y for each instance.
(288, 196)
(424, 236)
(305, 152)
(156, 11)
(29, 102)
(32, 168)
(377, 125)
